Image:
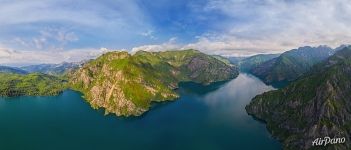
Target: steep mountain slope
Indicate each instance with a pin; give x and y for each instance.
(53, 69)
(5, 69)
(126, 84)
(292, 64)
(30, 85)
(223, 59)
(315, 106)
(247, 64)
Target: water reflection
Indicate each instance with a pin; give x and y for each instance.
(199, 89)
(231, 99)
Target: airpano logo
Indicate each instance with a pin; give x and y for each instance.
(327, 140)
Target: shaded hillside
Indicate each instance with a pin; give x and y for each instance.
(247, 64)
(315, 106)
(291, 64)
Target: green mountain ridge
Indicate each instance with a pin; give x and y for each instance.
(315, 106)
(291, 64)
(235, 60)
(126, 84)
(247, 64)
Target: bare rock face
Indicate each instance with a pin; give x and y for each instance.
(315, 106)
(126, 84)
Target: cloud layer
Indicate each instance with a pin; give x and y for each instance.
(45, 31)
(277, 25)
(271, 26)
(22, 58)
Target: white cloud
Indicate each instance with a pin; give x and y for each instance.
(51, 31)
(149, 34)
(171, 44)
(248, 27)
(231, 46)
(48, 38)
(19, 58)
(82, 12)
(276, 25)
(225, 47)
(269, 26)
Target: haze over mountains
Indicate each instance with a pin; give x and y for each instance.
(249, 63)
(285, 67)
(6, 69)
(53, 69)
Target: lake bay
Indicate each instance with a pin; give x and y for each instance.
(204, 117)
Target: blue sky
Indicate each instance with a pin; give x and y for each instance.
(52, 31)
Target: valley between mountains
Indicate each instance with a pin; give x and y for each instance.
(313, 102)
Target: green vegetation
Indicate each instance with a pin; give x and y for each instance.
(247, 64)
(30, 85)
(292, 64)
(127, 84)
(316, 105)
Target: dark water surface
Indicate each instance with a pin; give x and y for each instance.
(204, 118)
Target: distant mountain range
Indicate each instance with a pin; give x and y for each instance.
(53, 69)
(248, 63)
(292, 64)
(6, 69)
(316, 105)
(235, 60)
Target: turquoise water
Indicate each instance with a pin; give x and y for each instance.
(204, 118)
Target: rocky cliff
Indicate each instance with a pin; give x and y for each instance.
(315, 106)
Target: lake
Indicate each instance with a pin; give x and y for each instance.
(203, 118)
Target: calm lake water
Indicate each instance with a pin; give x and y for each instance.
(204, 118)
